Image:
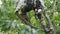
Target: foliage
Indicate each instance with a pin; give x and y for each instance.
(10, 23)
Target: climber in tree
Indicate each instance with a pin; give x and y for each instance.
(27, 5)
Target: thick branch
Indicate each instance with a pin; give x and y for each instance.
(25, 21)
(43, 23)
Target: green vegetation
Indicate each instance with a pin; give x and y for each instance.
(11, 24)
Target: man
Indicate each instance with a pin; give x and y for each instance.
(27, 6)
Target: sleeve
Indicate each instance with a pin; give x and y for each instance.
(20, 4)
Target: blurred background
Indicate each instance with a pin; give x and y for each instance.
(11, 24)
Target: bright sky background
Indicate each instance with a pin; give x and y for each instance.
(0, 3)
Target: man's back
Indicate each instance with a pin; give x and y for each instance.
(23, 3)
(29, 3)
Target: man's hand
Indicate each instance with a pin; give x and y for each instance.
(37, 11)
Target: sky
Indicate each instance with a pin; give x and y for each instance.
(0, 3)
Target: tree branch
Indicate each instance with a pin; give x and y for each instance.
(25, 21)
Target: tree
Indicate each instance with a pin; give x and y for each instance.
(10, 23)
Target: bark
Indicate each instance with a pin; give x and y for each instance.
(44, 15)
(47, 30)
(26, 21)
